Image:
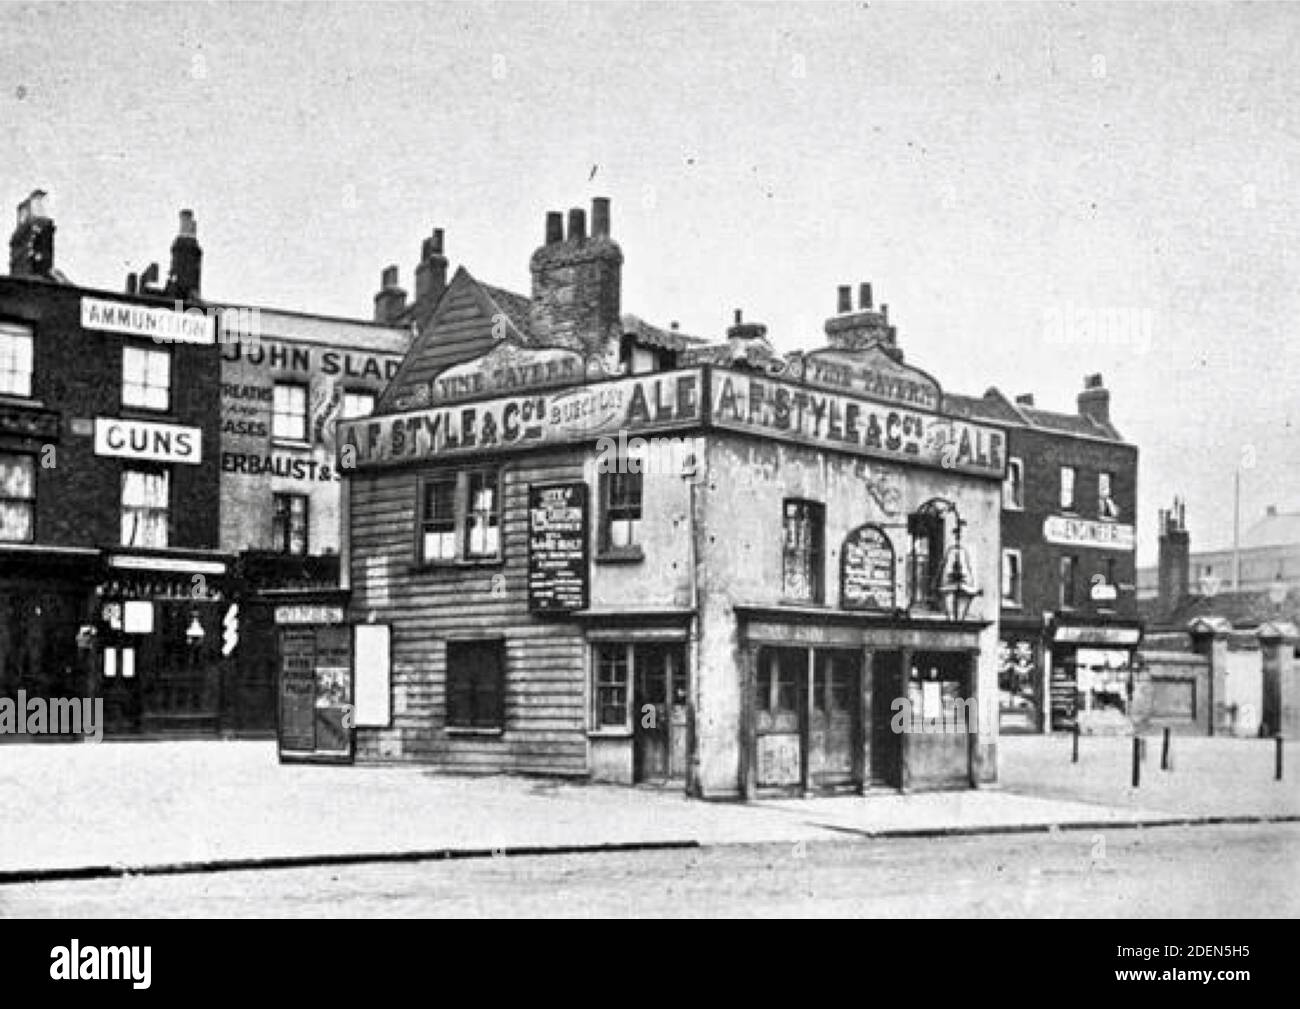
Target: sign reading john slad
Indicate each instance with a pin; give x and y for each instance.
(557, 548)
(867, 575)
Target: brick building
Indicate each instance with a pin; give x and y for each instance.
(1069, 622)
(168, 462)
(582, 545)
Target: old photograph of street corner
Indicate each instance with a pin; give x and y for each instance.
(651, 460)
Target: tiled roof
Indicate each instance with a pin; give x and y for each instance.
(516, 307)
(995, 406)
(1280, 529)
(652, 336)
(1241, 609)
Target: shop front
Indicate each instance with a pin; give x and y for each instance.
(845, 702)
(159, 666)
(1092, 673)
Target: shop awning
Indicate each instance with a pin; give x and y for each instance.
(1120, 637)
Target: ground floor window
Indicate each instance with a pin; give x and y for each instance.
(938, 687)
(476, 673)
(636, 682)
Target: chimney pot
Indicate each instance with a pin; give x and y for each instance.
(864, 296)
(673, 325)
(577, 225)
(388, 279)
(188, 225)
(132, 283)
(554, 227)
(740, 317)
(600, 217)
(1025, 399)
(845, 296)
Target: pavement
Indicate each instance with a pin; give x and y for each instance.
(79, 810)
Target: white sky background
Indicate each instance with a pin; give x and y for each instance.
(983, 166)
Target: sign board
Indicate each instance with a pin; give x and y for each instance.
(778, 409)
(307, 613)
(1067, 531)
(142, 439)
(371, 680)
(165, 325)
(871, 373)
(557, 548)
(867, 572)
(660, 401)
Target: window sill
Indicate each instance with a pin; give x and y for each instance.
(621, 555)
(132, 412)
(465, 730)
(621, 733)
(22, 402)
(292, 443)
(435, 567)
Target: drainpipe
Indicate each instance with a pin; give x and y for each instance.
(693, 645)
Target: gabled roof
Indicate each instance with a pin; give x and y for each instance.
(1247, 608)
(1273, 530)
(995, 406)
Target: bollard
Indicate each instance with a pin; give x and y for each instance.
(1075, 759)
(1137, 760)
(1278, 773)
(1164, 752)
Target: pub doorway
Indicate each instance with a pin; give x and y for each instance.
(659, 713)
(833, 717)
(886, 762)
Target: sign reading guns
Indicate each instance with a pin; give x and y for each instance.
(139, 439)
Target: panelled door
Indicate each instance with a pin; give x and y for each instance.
(833, 716)
(886, 745)
(659, 712)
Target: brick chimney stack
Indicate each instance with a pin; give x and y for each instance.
(577, 280)
(863, 328)
(1174, 559)
(431, 274)
(31, 247)
(390, 302)
(185, 276)
(1094, 401)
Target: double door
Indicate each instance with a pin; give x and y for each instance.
(808, 709)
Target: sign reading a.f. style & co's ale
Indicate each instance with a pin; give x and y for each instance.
(557, 548)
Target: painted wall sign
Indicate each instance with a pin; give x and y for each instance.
(871, 373)
(164, 324)
(1066, 531)
(657, 401)
(297, 357)
(139, 439)
(308, 613)
(557, 548)
(867, 571)
(505, 368)
(827, 420)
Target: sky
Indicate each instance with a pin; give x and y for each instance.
(1038, 191)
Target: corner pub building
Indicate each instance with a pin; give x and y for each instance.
(601, 549)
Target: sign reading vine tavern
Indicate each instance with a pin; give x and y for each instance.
(557, 548)
(867, 570)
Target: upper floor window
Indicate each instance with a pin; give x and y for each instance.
(1011, 578)
(1069, 577)
(289, 412)
(460, 517)
(1013, 488)
(620, 509)
(482, 514)
(438, 520)
(925, 561)
(803, 535)
(146, 500)
(1106, 506)
(146, 378)
(289, 523)
(16, 351)
(357, 404)
(17, 498)
(1068, 475)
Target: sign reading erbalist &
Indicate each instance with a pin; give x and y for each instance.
(557, 548)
